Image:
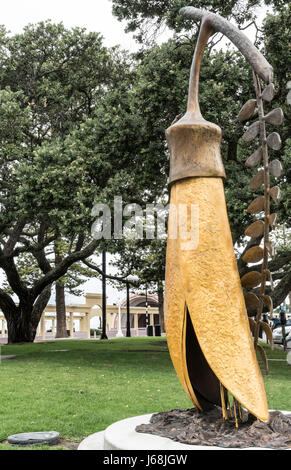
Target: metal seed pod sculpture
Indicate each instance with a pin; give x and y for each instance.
(208, 330)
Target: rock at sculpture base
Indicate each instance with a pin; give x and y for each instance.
(209, 429)
(123, 435)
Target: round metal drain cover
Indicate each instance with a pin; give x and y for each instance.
(33, 438)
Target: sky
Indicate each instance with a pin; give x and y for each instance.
(94, 15)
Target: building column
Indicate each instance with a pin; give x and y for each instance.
(136, 323)
(71, 324)
(42, 326)
(53, 326)
(152, 321)
(88, 325)
(2, 327)
(82, 323)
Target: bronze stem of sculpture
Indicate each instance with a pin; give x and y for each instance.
(207, 324)
(267, 204)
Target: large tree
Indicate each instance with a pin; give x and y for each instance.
(53, 165)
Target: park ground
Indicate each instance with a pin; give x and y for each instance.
(80, 387)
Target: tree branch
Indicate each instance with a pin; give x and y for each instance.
(41, 303)
(7, 304)
(109, 276)
(15, 281)
(80, 242)
(42, 261)
(14, 237)
(63, 266)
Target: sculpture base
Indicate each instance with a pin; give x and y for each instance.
(122, 435)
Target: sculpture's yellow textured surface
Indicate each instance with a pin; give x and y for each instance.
(205, 281)
(206, 319)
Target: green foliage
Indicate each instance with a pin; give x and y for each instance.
(53, 149)
(147, 16)
(226, 83)
(277, 30)
(61, 72)
(58, 78)
(143, 258)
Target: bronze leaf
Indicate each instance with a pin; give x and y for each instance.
(275, 193)
(274, 141)
(252, 325)
(255, 229)
(268, 302)
(255, 158)
(253, 254)
(252, 303)
(247, 110)
(274, 117)
(251, 279)
(268, 332)
(275, 168)
(268, 93)
(272, 219)
(257, 205)
(251, 132)
(257, 180)
(264, 357)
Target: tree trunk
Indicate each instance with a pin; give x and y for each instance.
(161, 305)
(21, 323)
(61, 311)
(60, 297)
(23, 320)
(20, 331)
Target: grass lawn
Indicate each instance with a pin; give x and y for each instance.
(95, 383)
